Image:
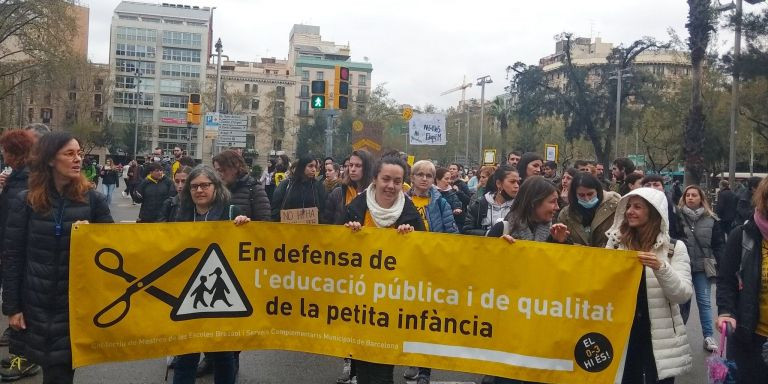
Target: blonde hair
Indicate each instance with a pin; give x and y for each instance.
(422, 165)
(704, 200)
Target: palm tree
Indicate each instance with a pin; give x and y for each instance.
(500, 111)
(700, 25)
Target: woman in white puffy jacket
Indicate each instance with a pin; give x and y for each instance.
(658, 347)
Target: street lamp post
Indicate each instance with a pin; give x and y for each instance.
(137, 74)
(482, 81)
(734, 100)
(619, 77)
(219, 49)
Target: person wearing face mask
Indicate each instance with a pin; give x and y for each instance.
(706, 245)
(493, 206)
(530, 165)
(592, 213)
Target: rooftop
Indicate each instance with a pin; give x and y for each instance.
(164, 10)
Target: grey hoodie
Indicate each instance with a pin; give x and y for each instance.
(496, 212)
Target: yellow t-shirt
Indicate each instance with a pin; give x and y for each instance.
(279, 177)
(351, 194)
(762, 322)
(175, 167)
(368, 221)
(421, 203)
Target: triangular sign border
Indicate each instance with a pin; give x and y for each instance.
(192, 280)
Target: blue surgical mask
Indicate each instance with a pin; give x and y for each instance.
(589, 204)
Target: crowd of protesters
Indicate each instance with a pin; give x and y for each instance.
(684, 245)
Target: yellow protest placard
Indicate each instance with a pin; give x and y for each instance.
(534, 311)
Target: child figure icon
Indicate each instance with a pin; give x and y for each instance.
(219, 289)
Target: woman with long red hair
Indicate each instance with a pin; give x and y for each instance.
(36, 272)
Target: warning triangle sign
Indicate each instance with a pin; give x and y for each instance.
(212, 291)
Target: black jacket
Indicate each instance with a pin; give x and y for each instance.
(36, 271)
(357, 208)
(744, 207)
(169, 210)
(14, 184)
(217, 213)
(152, 197)
(335, 206)
(726, 205)
(110, 177)
(251, 198)
(291, 195)
(473, 222)
(741, 303)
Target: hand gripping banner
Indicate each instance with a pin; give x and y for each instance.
(532, 311)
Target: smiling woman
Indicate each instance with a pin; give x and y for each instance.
(37, 239)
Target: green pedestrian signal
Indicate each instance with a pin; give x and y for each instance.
(319, 93)
(318, 102)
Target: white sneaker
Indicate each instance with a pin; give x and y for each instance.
(710, 344)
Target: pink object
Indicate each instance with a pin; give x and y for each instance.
(717, 368)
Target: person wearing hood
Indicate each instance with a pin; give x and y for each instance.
(152, 192)
(658, 348)
(592, 215)
(383, 205)
(247, 194)
(493, 206)
(530, 165)
(433, 208)
(299, 190)
(706, 244)
(742, 291)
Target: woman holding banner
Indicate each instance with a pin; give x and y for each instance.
(658, 347)
(494, 205)
(36, 257)
(299, 190)
(742, 292)
(205, 198)
(383, 205)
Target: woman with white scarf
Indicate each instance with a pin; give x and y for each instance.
(384, 206)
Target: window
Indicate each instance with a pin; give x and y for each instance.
(176, 133)
(145, 68)
(72, 96)
(320, 75)
(137, 34)
(125, 82)
(171, 21)
(303, 108)
(180, 70)
(181, 86)
(177, 115)
(280, 92)
(150, 20)
(127, 115)
(247, 88)
(362, 96)
(130, 98)
(254, 104)
(46, 114)
(182, 38)
(361, 80)
(30, 114)
(304, 91)
(245, 103)
(173, 101)
(279, 109)
(279, 126)
(305, 75)
(97, 100)
(180, 54)
(254, 88)
(277, 145)
(98, 84)
(135, 50)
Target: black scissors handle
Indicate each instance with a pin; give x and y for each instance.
(124, 298)
(119, 270)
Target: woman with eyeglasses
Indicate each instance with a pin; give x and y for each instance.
(36, 257)
(205, 198)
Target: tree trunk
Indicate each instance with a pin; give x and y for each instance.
(699, 26)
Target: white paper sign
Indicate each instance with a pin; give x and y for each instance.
(427, 129)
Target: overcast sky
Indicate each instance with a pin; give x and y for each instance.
(421, 48)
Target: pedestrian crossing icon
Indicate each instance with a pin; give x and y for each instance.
(212, 291)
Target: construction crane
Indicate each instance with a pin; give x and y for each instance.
(463, 88)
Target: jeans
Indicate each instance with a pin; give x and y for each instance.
(109, 189)
(702, 289)
(58, 374)
(223, 368)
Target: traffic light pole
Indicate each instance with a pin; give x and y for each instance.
(330, 114)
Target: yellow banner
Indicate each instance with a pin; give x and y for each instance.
(534, 311)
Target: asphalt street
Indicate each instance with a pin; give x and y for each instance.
(267, 367)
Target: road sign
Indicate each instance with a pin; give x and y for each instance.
(357, 125)
(232, 130)
(318, 102)
(407, 113)
(489, 156)
(552, 152)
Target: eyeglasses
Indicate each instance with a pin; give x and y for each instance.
(73, 154)
(424, 175)
(201, 186)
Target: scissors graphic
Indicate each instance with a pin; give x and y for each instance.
(101, 319)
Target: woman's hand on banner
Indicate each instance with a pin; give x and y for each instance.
(242, 219)
(508, 238)
(405, 228)
(17, 322)
(354, 226)
(81, 222)
(650, 260)
(559, 232)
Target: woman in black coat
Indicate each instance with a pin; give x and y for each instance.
(300, 190)
(247, 193)
(36, 274)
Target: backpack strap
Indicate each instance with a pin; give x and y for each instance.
(507, 229)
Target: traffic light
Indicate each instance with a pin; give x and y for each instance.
(341, 87)
(319, 93)
(194, 109)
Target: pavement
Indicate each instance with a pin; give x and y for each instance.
(270, 366)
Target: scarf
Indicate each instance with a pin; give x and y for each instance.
(149, 177)
(693, 214)
(384, 217)
(540, 232)
(762, 224)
